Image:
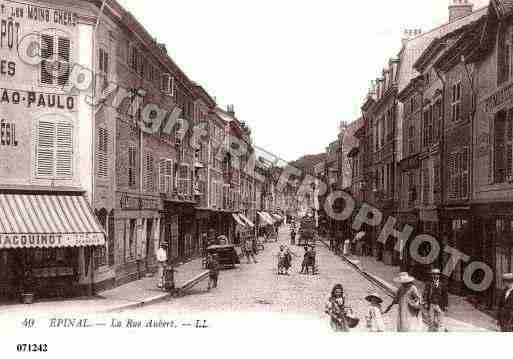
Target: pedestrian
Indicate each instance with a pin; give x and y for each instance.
(222, 240)
(292, 237)
(281, 260)
(341, 317)
(213, 268)
(312, 259)
(505, 310)
(408, 299)
(162, 261)
(375, 322)
(306, 259)
(288, 260)
(347, 244)
(248, 250)
(436, 301)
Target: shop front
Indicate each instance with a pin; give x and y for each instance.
(47, 243)
(179, 231)
(493, 245)
(457, 231)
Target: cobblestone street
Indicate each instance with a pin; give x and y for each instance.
(257, 288)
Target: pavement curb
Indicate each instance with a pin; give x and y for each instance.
(139, 304)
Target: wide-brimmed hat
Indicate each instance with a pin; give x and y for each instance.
(507, 277)
(435, 271)
(404, 277)
(374, 296)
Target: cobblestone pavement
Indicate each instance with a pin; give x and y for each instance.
(256, 288)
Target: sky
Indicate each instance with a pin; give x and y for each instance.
(293, 69)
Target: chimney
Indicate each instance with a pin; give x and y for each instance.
(409, 34)
(459, 9)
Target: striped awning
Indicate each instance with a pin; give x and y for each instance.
(48, 220)
(245, 219)
(264, 218)
(238, 220)
(270, 218)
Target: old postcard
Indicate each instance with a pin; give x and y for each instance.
(183, 176)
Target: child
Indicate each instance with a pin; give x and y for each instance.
(281, 260)
(213, 267)
(375, 321)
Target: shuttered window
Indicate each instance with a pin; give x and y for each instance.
(102, 152)
(132, 166)
(55, 59)
(499, 147)
(184, 180)
(166, 176)
(54, 149)
(425, 185)
(458, 167)
(150, 173)
(503, 56)
(456, 102)
(103, 58)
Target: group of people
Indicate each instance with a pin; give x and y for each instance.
(434, 302)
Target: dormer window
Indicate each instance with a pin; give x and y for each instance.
(167, 84)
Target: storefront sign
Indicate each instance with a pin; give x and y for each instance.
(51, 240)
(38, 14)
(8, 134)
(31, 99)
(131, 202)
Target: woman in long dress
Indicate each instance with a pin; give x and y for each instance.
(337, 310)
(409, 318)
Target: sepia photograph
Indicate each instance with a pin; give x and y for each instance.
(281, 178)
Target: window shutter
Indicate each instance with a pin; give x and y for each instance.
(162, 176)
(102, 152)
(499, 148)
(149, 173)
(64, 165)
(45, 149)
(451, 166)
(64, 50)
(169, 176)
(47, 52)
(464, 173)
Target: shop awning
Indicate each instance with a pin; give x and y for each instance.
(264, 218)
(279, 218)
(238, 220)
(245, 219)
(269, 217)
(47, 221)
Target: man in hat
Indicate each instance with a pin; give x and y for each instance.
(505, 313)
(162, 259)
(408, 299)
(436, 301)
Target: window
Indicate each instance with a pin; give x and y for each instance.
(103, 58)
(425, 185)
(134, 58)
(503, 56)
(102, 152)
(184, 180)
(168, 85)
(166, 176)
(131, 240)
(458, 168)
(411, 139)
(150, 173)
(54, 149)
(456, 102)
(503, 146)
(100, 252)
(428, 127)
(55, 60)
(132, 166)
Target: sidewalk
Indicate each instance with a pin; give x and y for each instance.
(462, 316)
(131, 295)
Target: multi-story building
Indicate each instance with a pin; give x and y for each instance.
(96, 188)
